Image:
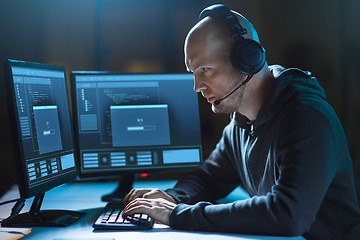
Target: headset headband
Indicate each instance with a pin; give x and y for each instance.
(246, 55)
(222, 12)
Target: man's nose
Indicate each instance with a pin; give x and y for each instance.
(199, 85)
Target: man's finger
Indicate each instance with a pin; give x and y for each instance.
(135, 193)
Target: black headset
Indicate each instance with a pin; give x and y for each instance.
(247, 55)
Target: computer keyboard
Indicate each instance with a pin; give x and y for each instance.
(111, 219)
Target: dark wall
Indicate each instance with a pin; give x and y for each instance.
(144, 35)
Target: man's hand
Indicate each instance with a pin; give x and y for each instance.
(158, 209)
(148, 193)
(151, 201)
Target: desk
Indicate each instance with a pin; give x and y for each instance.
(85, 196)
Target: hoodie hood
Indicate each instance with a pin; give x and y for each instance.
(289, 84)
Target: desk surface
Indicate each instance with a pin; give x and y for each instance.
(85, 196)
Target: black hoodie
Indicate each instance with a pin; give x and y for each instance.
(293, 161)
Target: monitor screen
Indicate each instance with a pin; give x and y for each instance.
(128, 123)
(42, 126)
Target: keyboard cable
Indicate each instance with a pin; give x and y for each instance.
(20, 203)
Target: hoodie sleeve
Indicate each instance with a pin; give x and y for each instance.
(215, 179)
(307, 157)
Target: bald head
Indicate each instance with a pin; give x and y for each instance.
(214, 35)
(210, 34)
(219, 28)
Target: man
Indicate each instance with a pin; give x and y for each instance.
(284, 145)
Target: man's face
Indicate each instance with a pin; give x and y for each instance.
(214, 75)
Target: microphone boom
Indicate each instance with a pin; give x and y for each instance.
(217, 102)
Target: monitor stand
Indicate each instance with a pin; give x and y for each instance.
(42, 218)
(124, 186)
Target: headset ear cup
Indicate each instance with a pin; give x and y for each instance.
(248, 56)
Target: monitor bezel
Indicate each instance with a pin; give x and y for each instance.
(27, 191)
(119, 172)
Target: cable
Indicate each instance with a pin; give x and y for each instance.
(10, 201)
(20, 203)
(17, 207)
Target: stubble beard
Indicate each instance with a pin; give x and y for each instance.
(231, 104)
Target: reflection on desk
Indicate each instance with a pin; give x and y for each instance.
(85, 196)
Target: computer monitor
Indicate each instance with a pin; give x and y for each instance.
(43, 138)
(131, 123)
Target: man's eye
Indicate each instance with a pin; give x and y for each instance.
(204, 69)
